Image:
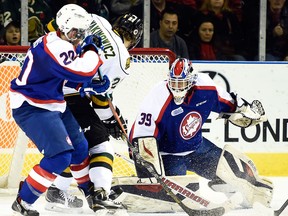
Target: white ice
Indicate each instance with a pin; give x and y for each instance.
(280, 195)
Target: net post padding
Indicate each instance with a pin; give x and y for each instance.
(17, 163)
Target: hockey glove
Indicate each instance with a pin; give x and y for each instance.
(92, 42)
(113, 126)
(95, 87)
(250, 115)
(246, 114)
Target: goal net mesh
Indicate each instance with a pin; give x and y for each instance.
(18, 154)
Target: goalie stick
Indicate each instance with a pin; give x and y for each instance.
(186, 192)
(281, 209)
(216, 211)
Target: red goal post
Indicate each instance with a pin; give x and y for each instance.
(18, 154)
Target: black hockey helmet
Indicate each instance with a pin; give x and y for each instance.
(131, 27)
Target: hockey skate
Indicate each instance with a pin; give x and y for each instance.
(115, 192)
(23, 207)
(99, 200)
(59, 200)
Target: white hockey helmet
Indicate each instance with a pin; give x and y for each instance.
(73, 17)
(181, 78)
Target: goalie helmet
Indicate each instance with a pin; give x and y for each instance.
(131, 27)
(181, 78)
(73, 17)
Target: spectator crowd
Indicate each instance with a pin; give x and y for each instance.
(194, 29)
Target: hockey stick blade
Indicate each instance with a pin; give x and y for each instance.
(281, 209)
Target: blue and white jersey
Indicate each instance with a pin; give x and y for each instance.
(49, 63)
(177, 128)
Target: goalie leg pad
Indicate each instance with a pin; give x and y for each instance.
(148, 150)
(239, 171)
(219, 185)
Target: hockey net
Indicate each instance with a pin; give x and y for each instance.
(18, 154)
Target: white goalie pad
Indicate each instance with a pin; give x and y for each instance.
(146, 195)
(237, 170)
(148, 150)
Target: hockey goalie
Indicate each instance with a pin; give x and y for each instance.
(167, 133)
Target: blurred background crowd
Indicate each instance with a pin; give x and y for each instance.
(195, 29)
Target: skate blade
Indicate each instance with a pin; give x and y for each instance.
(62, 208)
(111, 212)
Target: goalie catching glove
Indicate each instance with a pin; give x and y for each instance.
(113, 126)
(95, 87)
(246, 114)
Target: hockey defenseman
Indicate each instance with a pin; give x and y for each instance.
(170, 120)
(95, 117)
(39, 108)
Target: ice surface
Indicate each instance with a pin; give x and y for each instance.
(280, 195)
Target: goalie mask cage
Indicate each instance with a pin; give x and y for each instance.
(18, 154)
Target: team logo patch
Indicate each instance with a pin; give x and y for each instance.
(190, 125)
(177, 111)
(127, 63)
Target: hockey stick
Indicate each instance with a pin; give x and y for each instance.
(124, 158)
(183, 190)
(217, 211)
(281, 209)
(186, 192)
